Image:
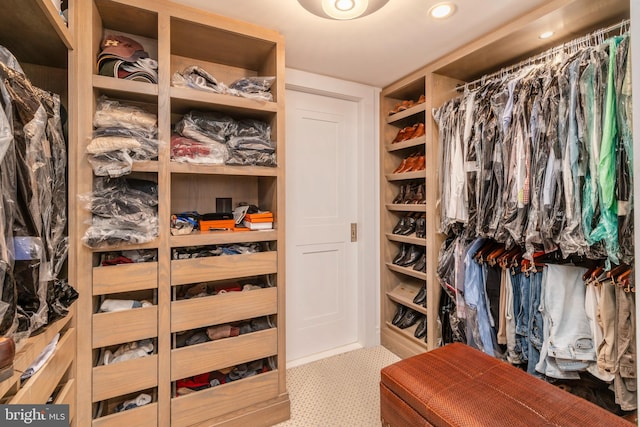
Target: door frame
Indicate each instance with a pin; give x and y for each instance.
(367, 99)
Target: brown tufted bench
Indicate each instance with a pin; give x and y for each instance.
(457, 385)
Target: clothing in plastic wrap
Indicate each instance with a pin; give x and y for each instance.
(251, 144)
(112, 113)
(124, 211)
(253, 87)
(211, 129)
(197, 78)
(33, 179)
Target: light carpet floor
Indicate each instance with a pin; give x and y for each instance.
(340, 391)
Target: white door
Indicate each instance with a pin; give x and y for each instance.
(321, 179)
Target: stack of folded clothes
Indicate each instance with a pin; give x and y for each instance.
(125, 58)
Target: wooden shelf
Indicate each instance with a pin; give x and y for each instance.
(35, 33)
(223, 308)
(127, 246)
(407, 239)
(125, 277)
(406, 208)
(124, 326)
(145, 166)
(188, 168)
(200, 238)
(184, 100)
(407, 271)
(410, 143)
(185, 271)
(201, 405)
(124, 377)
(404, 294)
(405, 176)
(145, 416)
(409, 334)
(416, 109)
(219, 354)
(126, 89)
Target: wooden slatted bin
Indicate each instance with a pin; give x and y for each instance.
(125, 278)
(124, 377)
(124, 326)
(223, 399)
(195, 270)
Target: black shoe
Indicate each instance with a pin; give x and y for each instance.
(401, 195)
(411, 257)
(409, 226)
(401, 254)
(421, 227)
(421, 296)
(399, 226)
(409, 319)
(421, 265)
(421, 330)
(400, 312)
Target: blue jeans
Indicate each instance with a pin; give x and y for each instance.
(536, 324)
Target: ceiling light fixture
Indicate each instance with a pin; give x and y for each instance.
(345, 5)
(342, 9)
(545, 35)
(442, 10)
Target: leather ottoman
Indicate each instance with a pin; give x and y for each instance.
(457, 385)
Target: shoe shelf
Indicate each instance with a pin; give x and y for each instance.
(29, 350)
(404, 294)
(203, 238)
(125, 278)
(397, 117)
(42, 384)
(200, 406)
(420, 207)
(409, 333)
(405, 176)
(143, 416)
(211, 356)
(124, 326)
(407, 271)
(410, 143)
(195, 270)
(406, 239)
(125, 377)
(223, 308)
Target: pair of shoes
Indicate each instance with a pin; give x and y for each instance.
(406, 226)
(421, 296)
(401, 106)
(408, 255)
(408, 319)
(7, 354)
(409, 132)
(414, 162)
(421, 330)
(413, 193)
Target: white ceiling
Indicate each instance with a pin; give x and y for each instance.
(377, 49)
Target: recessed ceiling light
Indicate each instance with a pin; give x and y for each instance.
(442, 10)
(545, 35)
(345, 5)
(342, 9)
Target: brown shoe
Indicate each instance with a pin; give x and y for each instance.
(419, 131)
(420, 100)
(401, 135)
(411, 130)
(7, 354)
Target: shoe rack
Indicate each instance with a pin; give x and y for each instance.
(179, 36)
(438, 82)
(42, 43)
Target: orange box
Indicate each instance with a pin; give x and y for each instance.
(217, 225)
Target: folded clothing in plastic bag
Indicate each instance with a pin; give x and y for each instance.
(124, 211)
(253, 87)
(197, 78)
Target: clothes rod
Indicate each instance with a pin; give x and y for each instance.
(595, 37)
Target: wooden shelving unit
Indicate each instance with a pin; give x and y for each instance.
(229, 50)
(438, 81)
